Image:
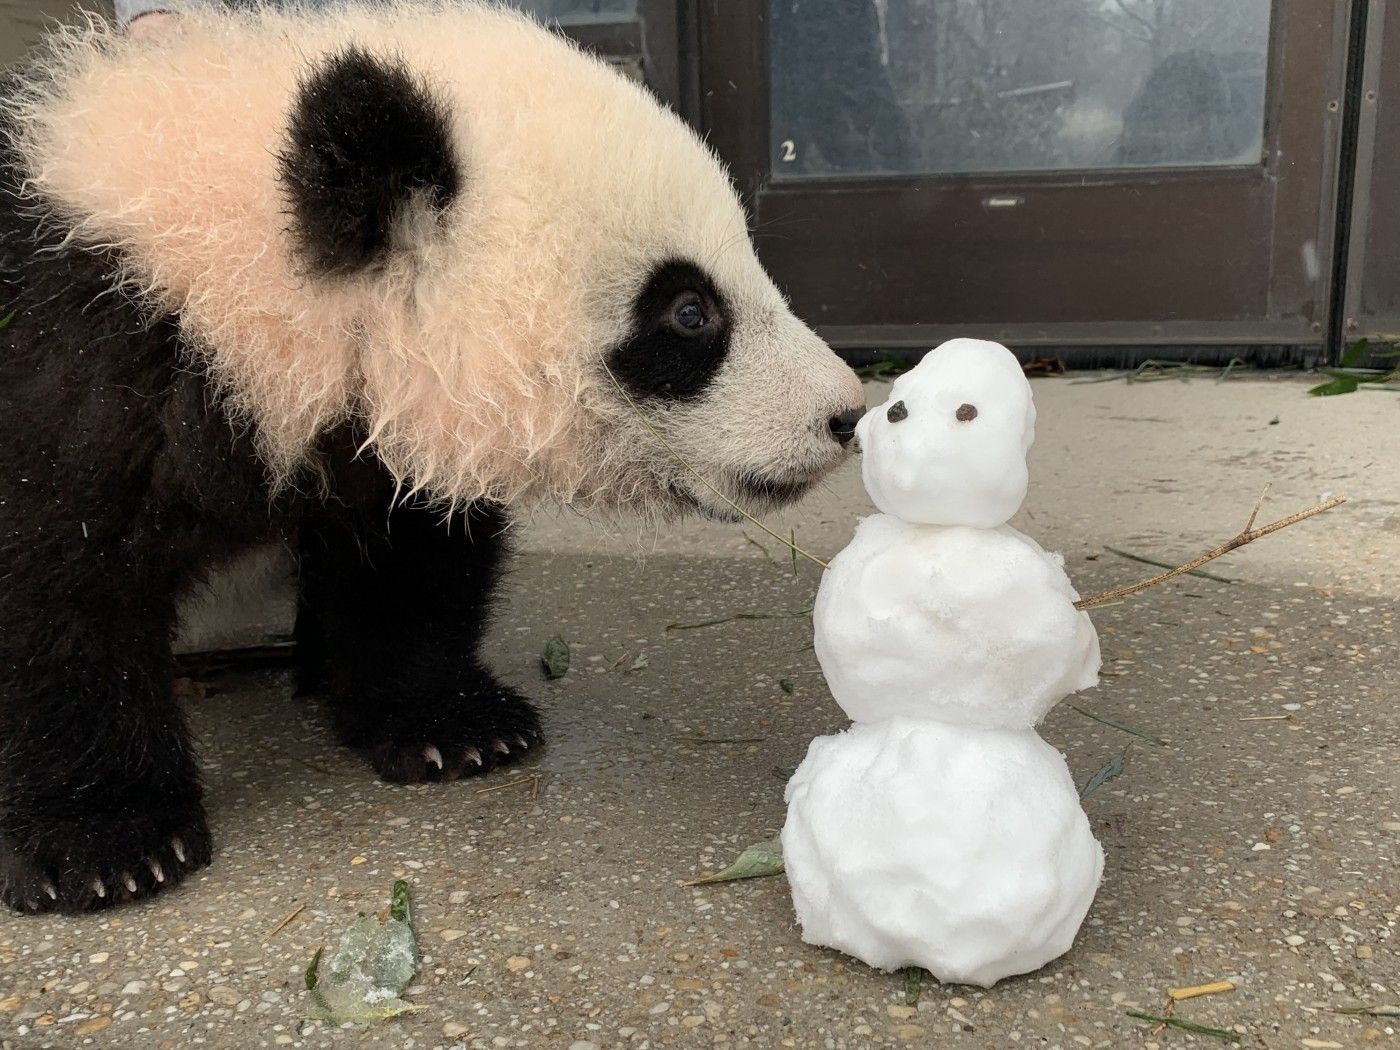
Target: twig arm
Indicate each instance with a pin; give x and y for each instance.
(1249, 535)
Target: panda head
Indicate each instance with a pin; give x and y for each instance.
(504, 264)
(558, 292)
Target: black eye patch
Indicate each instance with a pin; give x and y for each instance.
(897, 412)
(679, 337)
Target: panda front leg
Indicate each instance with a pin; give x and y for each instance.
(393, 608)
(100, 800)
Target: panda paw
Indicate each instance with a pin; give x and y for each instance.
(461, 739)
(53, 864)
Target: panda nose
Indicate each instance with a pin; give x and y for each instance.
(843, 427)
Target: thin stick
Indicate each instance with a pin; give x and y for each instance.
(796, 550)
(284, 923)
(1248, 535)
(533, 780)
(1250, 523)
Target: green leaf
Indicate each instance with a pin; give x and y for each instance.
(786, 685)
(5, 321)
(374, 962)
(1103, 776)
(555, 658)
(756, 862)
(398, 901)
(1186, 1026)
(1346, 385)
(1119, 725)
(1368, 1011)
(780, 614)
(312, 967)
(913, 984)
(1352, 355)
(1361, 375)
(642, 660)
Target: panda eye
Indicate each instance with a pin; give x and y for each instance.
(897, 412)
(688, 314)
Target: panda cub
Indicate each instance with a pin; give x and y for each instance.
(357, 282)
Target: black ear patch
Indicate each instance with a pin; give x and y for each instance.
(679, 337)
(366, 140)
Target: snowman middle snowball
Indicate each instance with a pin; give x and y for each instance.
(941, 831)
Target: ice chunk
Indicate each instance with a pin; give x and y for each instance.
(967, 626)
(949, 446)
(962, 850)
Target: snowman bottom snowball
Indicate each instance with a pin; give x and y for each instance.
(959, 849)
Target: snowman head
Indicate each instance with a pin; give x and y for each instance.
(949, 446)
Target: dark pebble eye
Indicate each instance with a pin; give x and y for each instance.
(966, 413)
(690, 315)
(897, 412)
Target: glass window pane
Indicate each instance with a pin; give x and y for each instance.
(581, 12)
(868, 87)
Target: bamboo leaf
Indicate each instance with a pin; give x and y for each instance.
(913, 984)
(1103, 776)
(555, 658)
(374, 962)
(1380, 1010)
(1345, 385)
(1119, 725)
(780, 614)
(756, 862)
(1187, 1026)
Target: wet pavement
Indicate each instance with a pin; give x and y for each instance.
(1251, 836)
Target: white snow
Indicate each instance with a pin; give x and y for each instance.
(970, 626)
(940, 831)
(911, 843)
(936, 469)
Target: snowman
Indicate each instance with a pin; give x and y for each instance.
(940, 830)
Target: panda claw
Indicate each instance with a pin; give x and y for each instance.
(433, 756)
(156, 870)
(472, 755)
(499, 746)
(129, 882)
(51, 890)
(97, 887)
(521, 742)
(178, 848)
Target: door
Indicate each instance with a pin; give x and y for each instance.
(1373, 270)
(1074, 174)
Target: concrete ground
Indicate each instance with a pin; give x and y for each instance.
(1255, 842)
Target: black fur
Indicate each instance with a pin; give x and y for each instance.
(661, 358)
(122, 484)
(367, 140)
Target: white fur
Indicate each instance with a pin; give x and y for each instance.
(475, 359)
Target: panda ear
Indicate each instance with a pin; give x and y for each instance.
(366, 143)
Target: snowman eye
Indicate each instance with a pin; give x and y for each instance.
(897, 412)
(966, 413)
